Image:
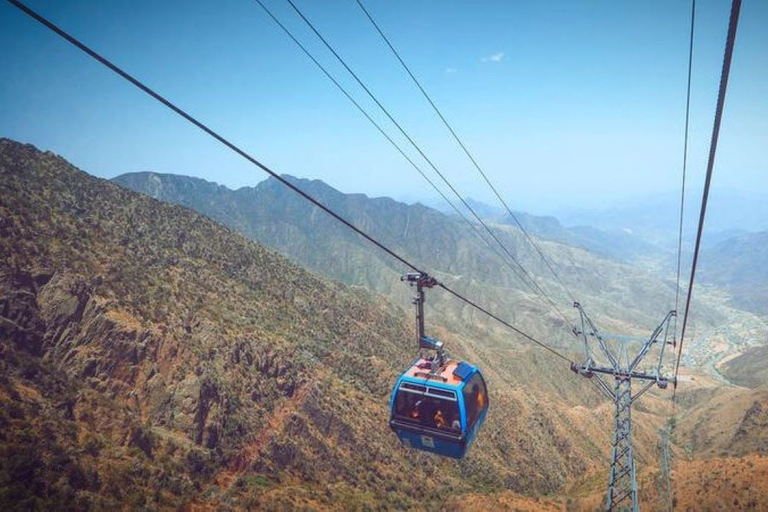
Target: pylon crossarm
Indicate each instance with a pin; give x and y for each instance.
(592, 331)
(585, 370)
(604, 387)
(651, 340)
(640, 393)
(625, 375)
(671, 315)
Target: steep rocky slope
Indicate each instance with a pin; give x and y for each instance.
(144, 343)
(152, 358)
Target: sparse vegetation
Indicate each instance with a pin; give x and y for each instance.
(157, 360)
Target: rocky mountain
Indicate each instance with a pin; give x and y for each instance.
(152, 358)
(445, 246)
(621, 298)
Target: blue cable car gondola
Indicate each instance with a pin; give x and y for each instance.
(438, 404)
(439, 413)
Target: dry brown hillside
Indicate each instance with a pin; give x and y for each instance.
(151, 358)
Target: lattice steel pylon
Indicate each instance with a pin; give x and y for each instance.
(622, 483)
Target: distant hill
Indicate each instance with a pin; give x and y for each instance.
(739, 265)
(616, 244)
(620, 297)
(655, 218)
(748, 369)
(278, 218)
(609, 242)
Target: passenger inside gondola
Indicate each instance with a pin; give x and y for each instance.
(439, 419)
(415, 411)
(427, 411)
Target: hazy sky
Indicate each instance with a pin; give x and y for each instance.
(564, 104)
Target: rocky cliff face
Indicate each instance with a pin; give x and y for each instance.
(148, 348)
(152, 358)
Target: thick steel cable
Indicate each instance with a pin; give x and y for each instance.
(682, 193)
(378, 127)
(167, 103)
(510, 326)
(685, 162)
(533, 283)
(208, 130)
(673, 412)
(466, 151)
(730, 41)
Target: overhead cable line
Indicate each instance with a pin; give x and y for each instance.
(510, 326)
(119, 71)
(730, 41)
(473, 227)
(378, 127)
(685, 161)
(207, 130)
(532, 281)
(466, 151)
(667, 432)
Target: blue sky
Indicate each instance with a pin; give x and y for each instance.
(565, 104)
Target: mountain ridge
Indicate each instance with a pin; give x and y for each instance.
(157, 359)
(197, 368)
(279, 219)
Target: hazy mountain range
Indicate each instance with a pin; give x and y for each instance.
(609, 241)
(154, 358)
(646, 232)
(729, 212)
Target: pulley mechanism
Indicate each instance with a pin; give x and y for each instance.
(422, 280)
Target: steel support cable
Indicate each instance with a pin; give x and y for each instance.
(208, 130)
(730, 41)
(378, 127)
(510, 326)
(466, 151)
(474, 228)
(167, 103)
(685, 162)
(533, 283)
(682, 190)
